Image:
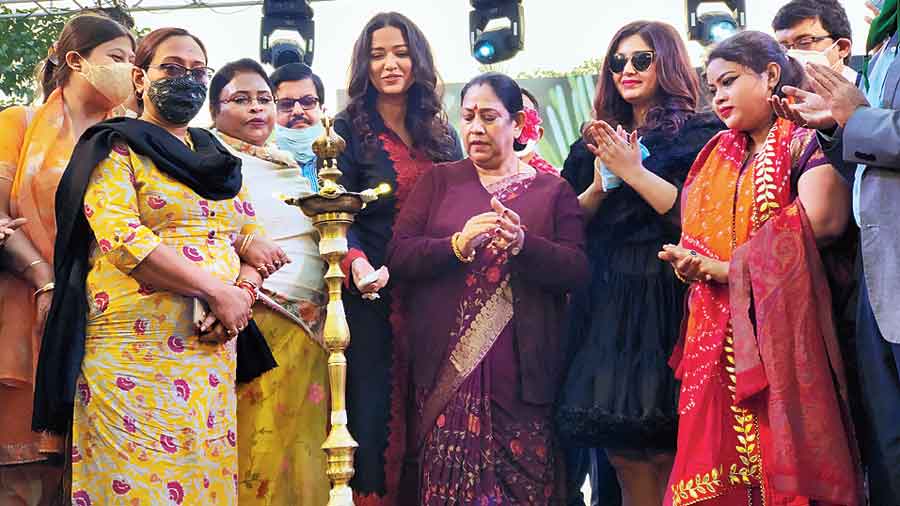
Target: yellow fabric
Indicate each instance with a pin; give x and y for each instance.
(282, 420)
(154, 422)
(35, 146)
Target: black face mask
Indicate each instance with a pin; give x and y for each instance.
(177, 99)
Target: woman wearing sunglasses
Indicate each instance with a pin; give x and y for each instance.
(628, 170)
(146, 211)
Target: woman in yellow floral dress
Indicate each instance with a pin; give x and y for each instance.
(283, 415)
(154, 418)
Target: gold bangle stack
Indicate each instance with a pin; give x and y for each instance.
(458, 252)
(44, 289)
(246, 244)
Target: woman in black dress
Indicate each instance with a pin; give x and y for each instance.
(396, 129)
(620, 393)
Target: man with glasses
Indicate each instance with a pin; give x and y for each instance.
(299, 95)
(807, 27)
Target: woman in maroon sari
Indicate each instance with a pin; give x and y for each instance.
(488, 248)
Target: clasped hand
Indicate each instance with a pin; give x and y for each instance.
(501, 225)
(230, 312)
(832, 101)
(692, 266)
(616, 148)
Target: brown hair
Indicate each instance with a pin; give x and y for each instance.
(679, 87)
(425, 116)
(146, 50)
(756, 50)
(81, 34)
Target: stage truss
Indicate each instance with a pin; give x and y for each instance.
(26, 8)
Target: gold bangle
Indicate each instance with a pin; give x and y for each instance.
(679, 276)
(458, 252)
(44, 289)
(246, 243)
(32, 264)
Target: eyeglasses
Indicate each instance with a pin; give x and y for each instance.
(287, 104)
(245, 101)
(805, 43)
(640, 60)
(174, 71)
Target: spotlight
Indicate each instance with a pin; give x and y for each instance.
(714, 26)
(496, 31)
(287, 19)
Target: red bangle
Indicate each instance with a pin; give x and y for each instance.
(251, 288)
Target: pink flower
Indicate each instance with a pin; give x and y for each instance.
(210, 420)
(140, 326)
(76, 455)
(182, 389)
(176, 344)
(205, 482)
(120, 148)
(128, 422)
(156, 202)
(105, 246)
(316, 393)
(120, 487)
(470, 280)
(192, 254)
(168, 443)
(238, 207)
(204, 208)
(88, 211)
(130, 237)
(232, 438)
(248, 209)
(125, 384)
(101, 301)
(146, 289)
(84, 393)
(213, 380)
(176, 492)
(530, 131)
(81, 498)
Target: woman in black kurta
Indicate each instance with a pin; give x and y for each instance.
(620, 393)
(395, 130)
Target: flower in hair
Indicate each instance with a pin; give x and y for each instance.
(530, 132)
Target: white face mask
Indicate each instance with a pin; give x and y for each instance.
(818, 57)
(112, 80)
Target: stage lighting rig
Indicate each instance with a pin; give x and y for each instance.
(496, 29)
(723, 20)
(287, 34)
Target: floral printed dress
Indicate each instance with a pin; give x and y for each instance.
(154, 421)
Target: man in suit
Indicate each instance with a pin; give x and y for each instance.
(859, 128)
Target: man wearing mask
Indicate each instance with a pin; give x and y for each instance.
(816, 31)
(299, 96)
(860, 129)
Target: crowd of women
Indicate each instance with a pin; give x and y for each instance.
(669, 299)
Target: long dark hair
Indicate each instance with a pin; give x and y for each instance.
(425, 116)
(756, 50)
(679, 87)
(81, 34)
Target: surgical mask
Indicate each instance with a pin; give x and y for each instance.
(818, 57)
(178, 99)
(298, 142)
(112, 80)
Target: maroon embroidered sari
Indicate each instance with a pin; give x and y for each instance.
(481, 444)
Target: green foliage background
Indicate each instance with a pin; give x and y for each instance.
(23, 46)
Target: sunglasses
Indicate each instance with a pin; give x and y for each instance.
(640, 60)
(287, 104)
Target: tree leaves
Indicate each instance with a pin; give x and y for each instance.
(22, 48)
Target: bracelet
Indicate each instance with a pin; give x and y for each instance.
(246, 244)
(250, 286)
(32, 264)
(680, 277)
(458, 252)
(44, 289)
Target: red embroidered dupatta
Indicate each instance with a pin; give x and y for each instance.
(726, 443)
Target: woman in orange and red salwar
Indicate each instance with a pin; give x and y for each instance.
(763, 413)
